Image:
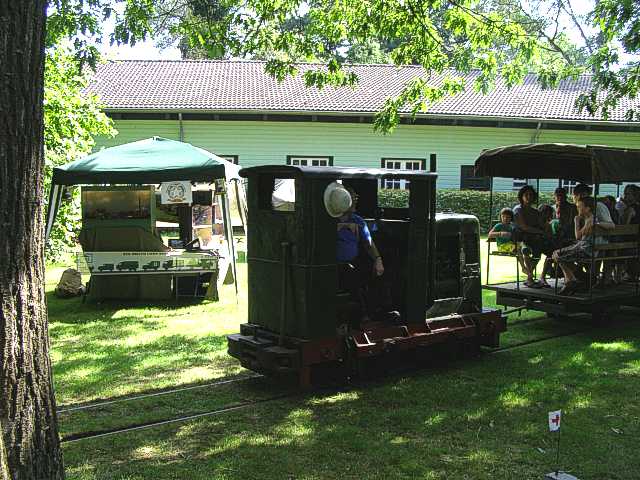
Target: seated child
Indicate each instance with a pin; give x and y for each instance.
(582, 249)
(503, 232)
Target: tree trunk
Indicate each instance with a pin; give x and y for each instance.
(27, 404)
(4, 467)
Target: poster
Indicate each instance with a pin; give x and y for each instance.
(122, 263)
(175, 192)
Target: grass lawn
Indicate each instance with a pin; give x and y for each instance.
(475, 419)
(112, 349)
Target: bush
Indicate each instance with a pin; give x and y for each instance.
(471, 202)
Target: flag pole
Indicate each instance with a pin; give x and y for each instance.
(558, 454)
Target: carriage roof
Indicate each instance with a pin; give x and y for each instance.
(585, 163)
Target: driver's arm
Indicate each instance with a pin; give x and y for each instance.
(372, 250)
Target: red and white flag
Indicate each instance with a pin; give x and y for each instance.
(554, 420)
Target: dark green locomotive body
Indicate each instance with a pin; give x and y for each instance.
(458, 258)
(297, 316)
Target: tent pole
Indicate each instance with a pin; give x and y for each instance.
(490, 222)
(226, 213)
(596, 192)
(55, 195)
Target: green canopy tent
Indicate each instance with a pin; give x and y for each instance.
(150, 161)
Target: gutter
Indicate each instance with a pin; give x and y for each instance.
(369, 113)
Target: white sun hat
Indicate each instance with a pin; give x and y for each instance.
(337, 200)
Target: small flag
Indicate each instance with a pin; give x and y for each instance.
(554, 420)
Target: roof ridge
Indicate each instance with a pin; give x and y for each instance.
(242, 61)
(251, 61)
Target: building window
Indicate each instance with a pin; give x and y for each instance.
(299, 161)
(569, 185)
(231, 158)
(518, 183)
(400, 164)
(469, 181)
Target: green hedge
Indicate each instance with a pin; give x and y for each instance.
(462, 201)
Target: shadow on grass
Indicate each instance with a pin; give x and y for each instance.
(472, 420)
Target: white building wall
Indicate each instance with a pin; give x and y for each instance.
(353, 144)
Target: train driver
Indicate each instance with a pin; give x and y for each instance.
(353, 234)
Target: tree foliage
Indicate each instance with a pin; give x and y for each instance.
(496, 38)
(72, 119)
(617, 24)
(82, 21)
(193, 25)
(444, 36)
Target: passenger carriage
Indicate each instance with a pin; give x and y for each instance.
(299, 323)
(591, 164)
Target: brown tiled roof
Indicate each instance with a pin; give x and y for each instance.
(218, 86)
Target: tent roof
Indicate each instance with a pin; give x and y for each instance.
(584, 163)
(153, 160)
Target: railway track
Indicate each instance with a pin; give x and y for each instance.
(88, 406)
(76, 437)
(145, 425)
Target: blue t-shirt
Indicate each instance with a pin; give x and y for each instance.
(350, 232)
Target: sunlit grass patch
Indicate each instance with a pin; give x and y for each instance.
(631, 369)
(514, 399)
(436, 419)
(619, 346)
(337, 398)
(583, 400)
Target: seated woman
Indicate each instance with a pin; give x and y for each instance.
(583, 248)
(531, 231)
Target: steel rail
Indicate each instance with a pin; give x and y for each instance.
(88, 406)
(75, 437)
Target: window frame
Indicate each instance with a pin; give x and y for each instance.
(400, 184)
(235, 159)
(484, 183)
(518, 183)
(328, 158)
(569, 185)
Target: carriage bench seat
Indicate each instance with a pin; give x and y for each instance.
(623, 243)
(501, 254)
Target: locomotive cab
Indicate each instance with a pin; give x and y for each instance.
(299, 319)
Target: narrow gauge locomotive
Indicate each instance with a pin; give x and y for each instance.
(300, 322)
